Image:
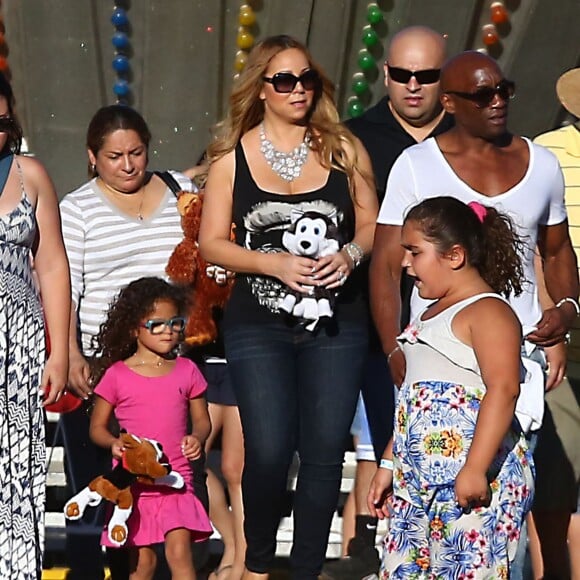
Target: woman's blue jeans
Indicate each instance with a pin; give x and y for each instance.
(296, 391)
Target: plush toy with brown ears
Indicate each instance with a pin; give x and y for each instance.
(209, 284)
(141, 464)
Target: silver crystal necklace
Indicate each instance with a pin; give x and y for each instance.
(286, 165)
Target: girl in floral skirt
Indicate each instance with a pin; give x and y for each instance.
(457, 475)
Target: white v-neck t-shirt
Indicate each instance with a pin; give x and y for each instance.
(422, 172)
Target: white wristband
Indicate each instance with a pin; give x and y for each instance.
(572, 301)
(386, 464)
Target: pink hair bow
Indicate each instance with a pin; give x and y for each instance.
(479, 210)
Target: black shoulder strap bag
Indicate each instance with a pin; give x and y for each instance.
(170, 181)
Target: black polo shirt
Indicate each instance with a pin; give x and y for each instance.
(385, 139)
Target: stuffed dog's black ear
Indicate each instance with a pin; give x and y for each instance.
(295, 215)
(332, 233)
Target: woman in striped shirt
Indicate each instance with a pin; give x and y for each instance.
(121, 225)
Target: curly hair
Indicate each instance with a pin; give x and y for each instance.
(328, 135)
(117, 335)
(492, 245)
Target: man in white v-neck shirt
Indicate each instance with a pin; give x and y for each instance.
(479, 160)
(423, 171)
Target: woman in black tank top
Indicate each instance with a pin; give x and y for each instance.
(298, 187)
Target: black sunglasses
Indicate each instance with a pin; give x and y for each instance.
(158, 326)
(484, 96)
(423, 77)
(284, 82)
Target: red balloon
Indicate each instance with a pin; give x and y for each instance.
(67, 402)
(489, 35)
(499, 13)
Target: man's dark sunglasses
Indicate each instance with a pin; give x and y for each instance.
(484, 96)
(284, 82)
(423, 77)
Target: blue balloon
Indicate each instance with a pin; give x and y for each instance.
(121, 88)
(121, 64)
(119, 17)
(120, 40)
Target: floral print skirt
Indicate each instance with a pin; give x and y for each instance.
(430, 536)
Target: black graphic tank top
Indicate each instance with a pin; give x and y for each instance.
(261, 218)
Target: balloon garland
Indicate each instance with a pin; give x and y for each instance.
(245, 39)
(3, 48)
(122, 46)
(490, 33)
(366, 60)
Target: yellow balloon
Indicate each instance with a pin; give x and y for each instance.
(247, 16)
(245, 40)
(240, 60)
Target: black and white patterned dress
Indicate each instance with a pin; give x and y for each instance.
(22, 355)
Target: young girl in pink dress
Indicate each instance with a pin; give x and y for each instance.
(152, 394)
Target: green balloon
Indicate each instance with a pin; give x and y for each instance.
(359, 84)
(369, 37)
(374, 14)
(366, 60)
(355, 108)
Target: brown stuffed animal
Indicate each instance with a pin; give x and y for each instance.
(141, 463)
(187, 267)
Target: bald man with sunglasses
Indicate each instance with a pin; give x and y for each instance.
(479, 160)
(410, 113)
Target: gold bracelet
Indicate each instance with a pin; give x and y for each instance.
(392, 353)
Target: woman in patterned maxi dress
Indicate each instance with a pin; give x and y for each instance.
(463, 475)
(29, 228)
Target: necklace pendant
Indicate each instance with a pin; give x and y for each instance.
(139, 217)
(156, 363)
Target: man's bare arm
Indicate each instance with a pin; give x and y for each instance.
(385, 293)
(561, 276)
